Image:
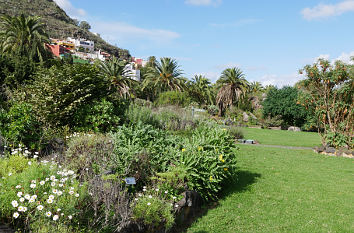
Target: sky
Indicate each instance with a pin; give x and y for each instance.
(268, 40)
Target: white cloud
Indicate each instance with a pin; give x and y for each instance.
(212, 75)
(344, 57)
(72, 11)
(122, 32)
(321, 56)
(280, 80)
(228, 65)
(325, 11)
(203, 2)
(238, 23)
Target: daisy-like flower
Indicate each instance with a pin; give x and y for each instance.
(55, 191)
(32, 186)
(156, 190)
(174, 198)
(51, 197)
(20, 208)
(33, 181)
(27, 197)
(16, 214)
(140, 195)
(19, 194)
(31, 200)
(60, 193)
(58, 209)
(46, 179)
(72, 188)
(24, 209)
(34, 197)
(55, 217)
(49, 201)
(71, 192)
(77, 195)
(70, 172)
(52, 178)
(150, 196)
(10, 174)
(29, 163)
(136, 199)
(18, 186)
(40, 207)
(14, 203)
(166, 191)
(35, 156)
(42, 182)
(148, 203)
(176, 205)
(22, 199)
(61, 185)
(70, 217)
(48, 214)
(52, 184)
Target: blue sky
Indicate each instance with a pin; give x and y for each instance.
(269, 40)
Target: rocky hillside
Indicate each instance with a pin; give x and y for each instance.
(59, 24)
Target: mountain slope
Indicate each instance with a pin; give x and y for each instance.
(59, 24)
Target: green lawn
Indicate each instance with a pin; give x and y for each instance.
(280, 190)
(282, 137)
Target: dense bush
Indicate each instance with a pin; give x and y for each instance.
(282, 102)
(236, 132)
(173, 98)
(140, 114)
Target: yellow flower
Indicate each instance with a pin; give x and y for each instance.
(224, 129)
(211, 178)
(200, 148)
(183, 150)
(223, 161)
(225, 168)
(220, 157)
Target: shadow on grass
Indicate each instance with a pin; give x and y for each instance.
(240, 183)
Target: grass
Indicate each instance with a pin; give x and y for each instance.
(282, 137)
(280, 190)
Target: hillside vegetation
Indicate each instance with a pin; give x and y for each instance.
(58, 23)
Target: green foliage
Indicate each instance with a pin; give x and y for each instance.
(153, 212)
(56, 94)
(282, 102)
(14, 164)
(173, 98)
(269, 121)
(19, 125)
(135, 114)
(236, 132)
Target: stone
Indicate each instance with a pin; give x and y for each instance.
(294, 128)
(331, 150)
(320, 149)
(249, 141)
(275, 128)
(253, 116)
(245, 117)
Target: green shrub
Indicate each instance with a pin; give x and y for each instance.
(153, 212)
(139, 114)
(269, 121)
(173, 98)
(213, 110)
(236, 132)
(26, 197)
(19, 125)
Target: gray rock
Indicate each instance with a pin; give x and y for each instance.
(330, 150)
(294, 128)
(245, 117)
(253, 116)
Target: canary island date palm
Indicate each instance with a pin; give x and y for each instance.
(202, 90)
(118, 75)
(232, 88)
(164, 76)
(24, 36)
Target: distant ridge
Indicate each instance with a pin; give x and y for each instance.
(59, 24)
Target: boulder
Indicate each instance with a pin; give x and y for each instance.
(253, 116)
(245, 117)
(294, 128)
(330, 150)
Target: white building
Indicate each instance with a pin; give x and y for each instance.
(88, 45)
(132, 72)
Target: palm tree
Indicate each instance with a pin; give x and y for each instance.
(120, 77)
(202, 90)
(24, 36)
(255, 87)
(233, 87)
(164, 76)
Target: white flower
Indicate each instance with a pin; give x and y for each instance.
(36, 153)
(45, 193)
(157, 190)
(61, 185)
(70, 217)
(62, 214)
(34, 197)
(19, 194)
(48, 214)
(33, 181)
(55, 191)
(176, 205)
(24, 209)
(31, 200)
(10, 174)
(55, 217)
(52, 184)
(150, 196)
(47, 179)
(29, 163)
(136, 199)
(144, 187)
(18, 186)
(71, 188)
(40, 207)
(166, 192)
(60, 193)
(77, 195)
(20, 208)
(70, 172)
(148, 203)
(140, 195)
(32, 186)
(14, 203)
(71, 192)
(52, 178)
(16, 214)
(42, 182)
(50, 201)
(58, 209)
(174, 198)
(35, 156)
(51, 197)
(22, 199)
(144, 190)
(27, 197)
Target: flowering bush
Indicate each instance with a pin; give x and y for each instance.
(40, 195)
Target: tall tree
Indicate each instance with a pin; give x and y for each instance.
(232, 87)
(24, 36)
(120, 77)
(164, 76)
(201, 89)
